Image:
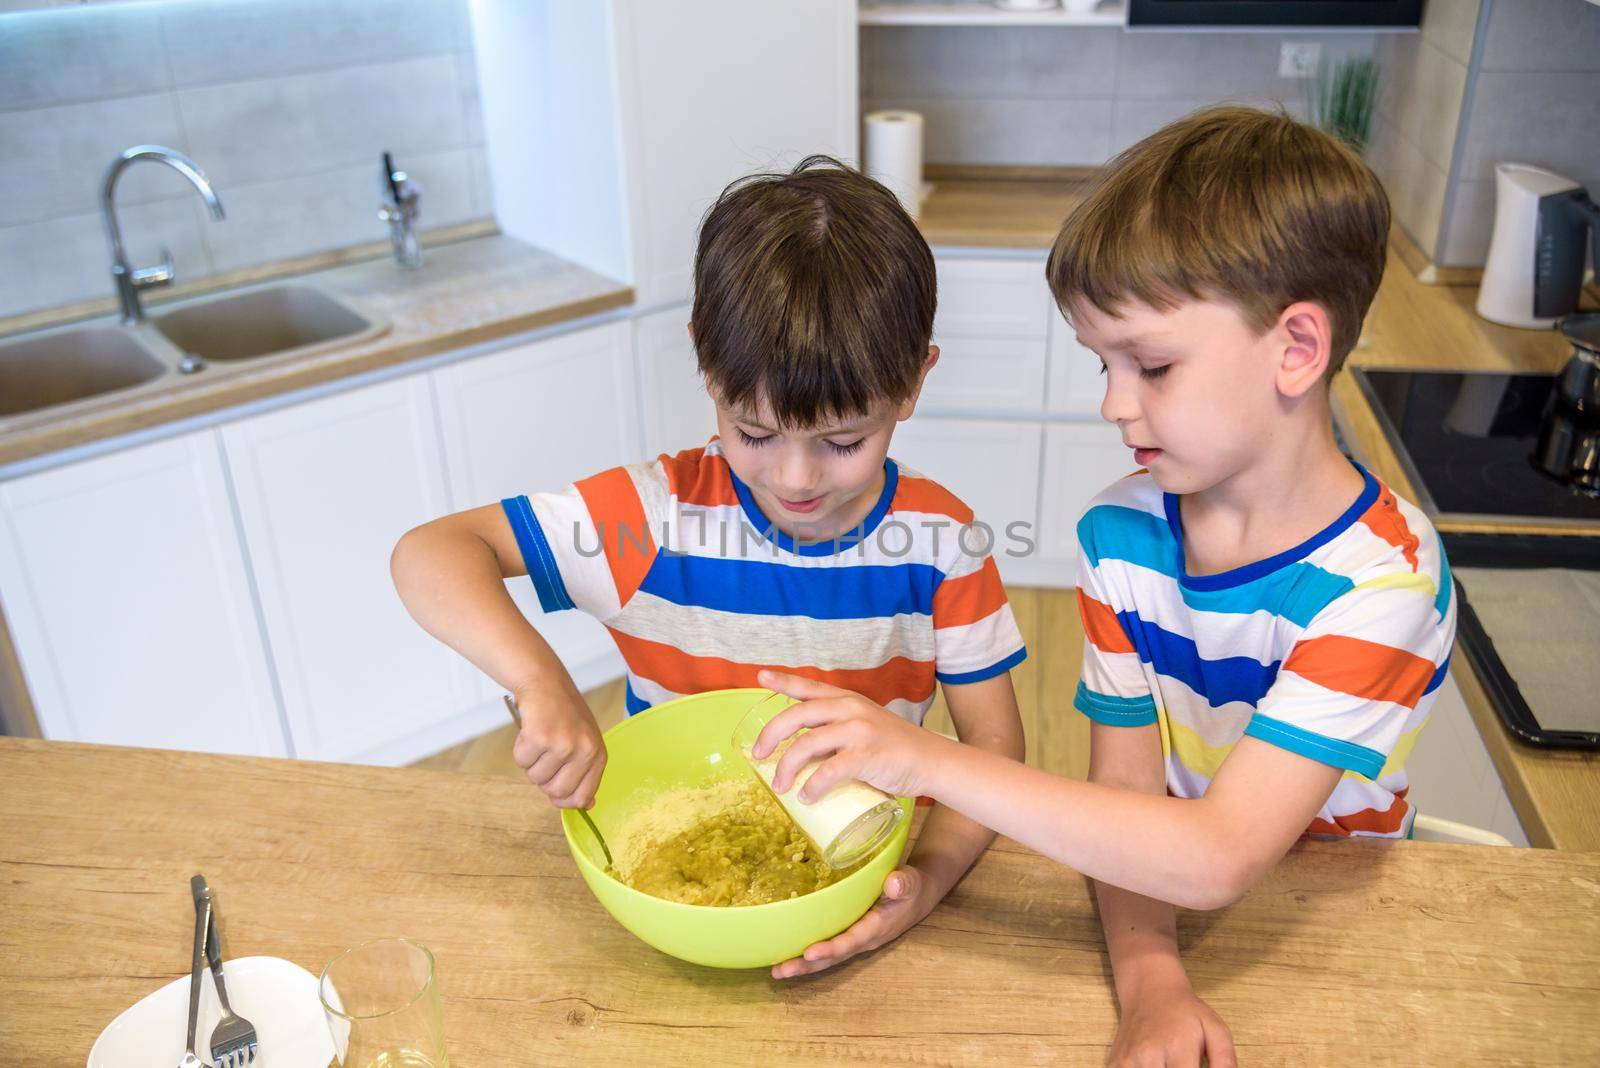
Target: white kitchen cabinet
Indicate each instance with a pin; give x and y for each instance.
(129, 603)
(534, 418)
(1450, 772)
(325, 489)
(991, 465)
(1080, 460)
(611, 128)
(992, 332)
(1076, 384)
(677, 411)
(999, 298)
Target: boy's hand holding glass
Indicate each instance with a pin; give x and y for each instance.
(866, 740)
(871, 744)
(559, 745)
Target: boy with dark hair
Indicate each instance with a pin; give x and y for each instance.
(790, 542)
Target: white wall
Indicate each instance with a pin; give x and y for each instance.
(549, 108)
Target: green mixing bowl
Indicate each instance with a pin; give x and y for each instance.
(687, 742)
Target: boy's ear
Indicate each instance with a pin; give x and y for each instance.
(1304, 335)
(909, 405)
(690, 328)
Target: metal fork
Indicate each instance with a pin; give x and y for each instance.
(202, 921)
(233, 1042)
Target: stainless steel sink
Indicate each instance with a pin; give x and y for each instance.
(70, 365)
(270, 321)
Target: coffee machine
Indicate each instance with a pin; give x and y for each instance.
(1569, 433)
(1543, 225)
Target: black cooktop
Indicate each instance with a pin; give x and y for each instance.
(1465, 440)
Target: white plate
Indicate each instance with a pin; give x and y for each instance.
(278, 996)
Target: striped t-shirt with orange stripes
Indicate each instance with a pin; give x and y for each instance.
(1333, 649)
(700, 591)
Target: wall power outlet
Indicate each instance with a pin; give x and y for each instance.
(1299, 59)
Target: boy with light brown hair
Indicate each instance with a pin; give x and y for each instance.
(1266, 623)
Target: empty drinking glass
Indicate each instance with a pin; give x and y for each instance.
(382, 1003)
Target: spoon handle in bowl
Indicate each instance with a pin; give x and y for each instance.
(516, 717)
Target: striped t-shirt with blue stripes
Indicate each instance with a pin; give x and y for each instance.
(1333, 649)
(700, 591)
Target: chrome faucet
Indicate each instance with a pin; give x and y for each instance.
(129, 279)
(401, 205)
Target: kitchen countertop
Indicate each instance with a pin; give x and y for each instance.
(1000, 207)
(1555, 792)
(468, 292)
(1433, 954)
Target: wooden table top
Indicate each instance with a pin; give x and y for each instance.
(1403, 952)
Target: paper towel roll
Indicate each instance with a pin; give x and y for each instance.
(894, 154)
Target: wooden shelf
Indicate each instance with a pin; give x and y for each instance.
(983, 13)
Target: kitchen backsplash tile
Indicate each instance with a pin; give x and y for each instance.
(1072, 96)
(244, 87)
(1422, 91)
(1015, 132)
(277, 220)
(309, 123)
(209, 42)
(1451, 26)
(1218, 66)
(62, 260)
(56, 157)
(471, 100)
(1468, 224)
(1547, 118)
(1544, 35)
(1488, 81)
(1417, 186)
(1133, 120)
(1450, 104)
(67, 55)
(925, 62)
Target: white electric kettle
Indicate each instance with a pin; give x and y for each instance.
(1536, 254)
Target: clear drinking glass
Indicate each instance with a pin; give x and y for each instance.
(382, 1003)
(847, 824)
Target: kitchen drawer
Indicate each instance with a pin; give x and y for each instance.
(992, 465)
(992, 331)
(986, 374)
(991, 299)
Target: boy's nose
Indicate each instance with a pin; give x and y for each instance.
(797, 478)
(1119, 405)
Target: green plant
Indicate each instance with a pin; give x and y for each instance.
(1342, 98)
